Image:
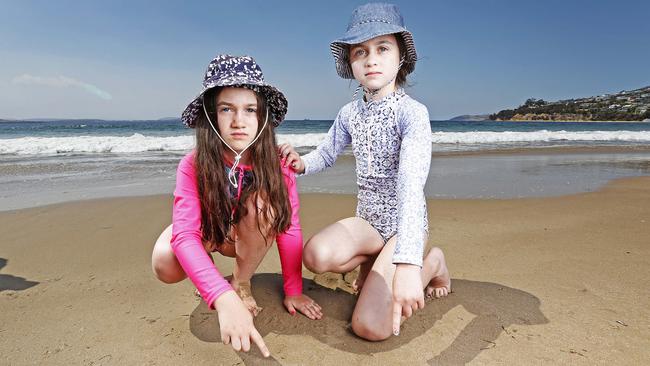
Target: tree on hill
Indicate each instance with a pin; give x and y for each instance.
(533, 102)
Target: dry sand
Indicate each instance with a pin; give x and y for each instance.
(560, 280)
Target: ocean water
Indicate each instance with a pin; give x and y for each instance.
(92, 136)
(45, 162)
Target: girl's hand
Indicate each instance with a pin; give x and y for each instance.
(291, 158)
(236, 324)
(407, 293)
(303, 304)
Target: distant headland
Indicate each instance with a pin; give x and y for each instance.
(471, 117)
(633, 105)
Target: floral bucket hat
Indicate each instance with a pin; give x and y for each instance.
(367, 22)
(236, 71)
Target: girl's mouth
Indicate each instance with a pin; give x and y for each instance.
(238, 135)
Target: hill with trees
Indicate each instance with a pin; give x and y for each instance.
(633, 105)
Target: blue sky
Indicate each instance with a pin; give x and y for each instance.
(145, 59)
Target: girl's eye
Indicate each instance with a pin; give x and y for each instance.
(383, 49)
(251, 110)
(224, 109)
(359, 52)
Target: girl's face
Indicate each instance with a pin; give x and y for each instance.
(237, 116)
(375, 62)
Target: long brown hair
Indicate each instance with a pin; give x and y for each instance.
(267, 185)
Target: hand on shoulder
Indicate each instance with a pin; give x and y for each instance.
(290, 158)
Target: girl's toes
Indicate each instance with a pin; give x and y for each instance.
(256, 310)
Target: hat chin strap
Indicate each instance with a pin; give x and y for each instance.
(232, 179)
(372, 92)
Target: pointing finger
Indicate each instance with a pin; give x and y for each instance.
(397, 315)
(257, 338)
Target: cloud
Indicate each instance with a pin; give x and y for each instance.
(61, 82)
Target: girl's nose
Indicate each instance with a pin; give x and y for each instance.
(371, 60)
(237, 119)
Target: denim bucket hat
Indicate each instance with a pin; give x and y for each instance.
(367, 22)
(236, 71)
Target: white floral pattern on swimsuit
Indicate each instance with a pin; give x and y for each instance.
(391, 142)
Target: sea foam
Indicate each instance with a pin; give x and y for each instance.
(490, 137)
(141, 143)
(95, 144)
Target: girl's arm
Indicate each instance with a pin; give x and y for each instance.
(414, 162)
(290, 241)
(186, 235)
(326, 153)
(290, 250)
(415, 158)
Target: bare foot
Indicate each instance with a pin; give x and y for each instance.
(440, 284)
(243, 289)
(364, 269)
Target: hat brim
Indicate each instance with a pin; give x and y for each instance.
(276, 101)
(361, 34)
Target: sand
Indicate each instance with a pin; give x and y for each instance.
(559, 280)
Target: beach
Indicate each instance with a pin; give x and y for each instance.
(534, 169)
(551, 280)
(545, 228)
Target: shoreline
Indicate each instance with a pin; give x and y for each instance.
(551, 150)
(561, 121)
(502, 173)
(320, 195)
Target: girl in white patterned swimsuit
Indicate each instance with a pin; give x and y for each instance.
(391, 141)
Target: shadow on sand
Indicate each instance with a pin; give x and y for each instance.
(494, 306)
(9, 282)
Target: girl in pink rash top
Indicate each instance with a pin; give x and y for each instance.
(234, 196)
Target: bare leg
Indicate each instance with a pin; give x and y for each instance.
(342, 246)
(249, 250)
(372, 316)
(364, 270)
(163, 261)
(250, 247)
(252, 242)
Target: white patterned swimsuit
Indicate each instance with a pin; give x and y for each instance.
(391, 142)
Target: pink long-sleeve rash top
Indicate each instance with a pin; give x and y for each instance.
(187, 244)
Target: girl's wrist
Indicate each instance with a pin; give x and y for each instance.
(225, 299)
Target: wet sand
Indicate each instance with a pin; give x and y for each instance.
(505, 173)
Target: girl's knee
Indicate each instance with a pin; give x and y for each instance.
(316, 256)
(169, 277)
(369, 329)
(166, 268)
(163, 261)
(437, 253)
